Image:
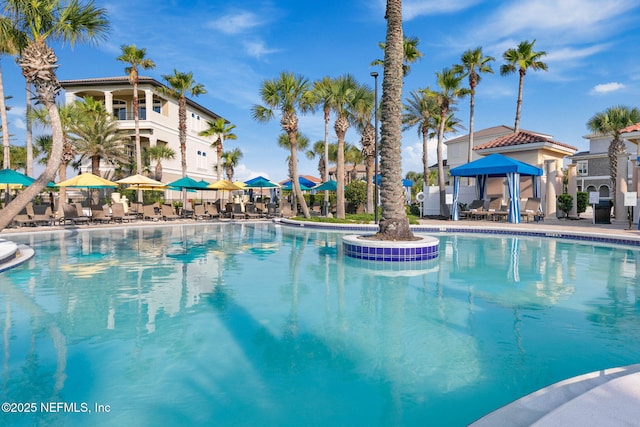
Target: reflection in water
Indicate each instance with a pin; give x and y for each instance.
(273, 326)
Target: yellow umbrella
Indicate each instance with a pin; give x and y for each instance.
(240, 184)
(223, 184)
(142, 182)
(87, 180)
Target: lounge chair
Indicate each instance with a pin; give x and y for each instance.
(168, 213)
(212, 210)
(495, 205)
(473, 208)
(118, 214)
(272, 210)
(44, 216)
(24, 219)
(199, 212)
(237, 211)
(101, 214)
(150, 212)
(71, 215)
(251, 212)
(532, 210)
(285, 210)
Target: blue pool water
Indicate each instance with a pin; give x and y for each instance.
(257, 324)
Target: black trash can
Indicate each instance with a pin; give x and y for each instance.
(602, 214)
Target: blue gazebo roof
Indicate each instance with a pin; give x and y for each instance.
(496, 165)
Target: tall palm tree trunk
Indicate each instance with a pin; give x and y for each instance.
(425, 156)
(325, 175)
(29, 134)
(5, 127)
(339, 128)
(516, 126)
(394, 224)
(295, 181)
(219, 148)
(136, 125)
(443, 198)
(472, 108)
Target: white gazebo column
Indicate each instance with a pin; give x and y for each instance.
(573, 190)
(622, 180)
(69, 97)
(108, 101)
(550, 208)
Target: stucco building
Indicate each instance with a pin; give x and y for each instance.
(158, 121)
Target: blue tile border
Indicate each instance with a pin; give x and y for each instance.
(425, 248)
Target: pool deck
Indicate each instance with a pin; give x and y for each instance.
(606, 397)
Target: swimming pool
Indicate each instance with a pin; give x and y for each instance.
(258, 324)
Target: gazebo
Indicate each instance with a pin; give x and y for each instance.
(496, 165)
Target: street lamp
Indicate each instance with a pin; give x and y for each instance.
(375, 147)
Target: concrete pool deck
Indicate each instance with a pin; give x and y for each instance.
(606, 397)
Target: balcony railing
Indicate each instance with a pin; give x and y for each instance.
(128, 115)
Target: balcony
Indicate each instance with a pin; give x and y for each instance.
(128, 115)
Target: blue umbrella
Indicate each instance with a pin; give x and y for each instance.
(330, 185)
(9, 176)
(303, 182)
(303, 187)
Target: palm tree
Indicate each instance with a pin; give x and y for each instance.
(421, 110)
(362, 113)
(411, 54)
(221, 131)
(321, 95)
(344, 90)
(11, 41)
(288, 93)
(160, 152)
(449, 82)
(474, 63)
(136, 58)
(610, 122)
(318, 149)
(353, 155)
(42, 21)
(521, 59)
(302, 142)
(394, 224)
(95, 135)
(230, 160)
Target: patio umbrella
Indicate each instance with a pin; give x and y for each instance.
(330, 185)
(87, 180)
(224, 185)
(260, 182)
(303, 182)
(9, 176)
(240, 184)
(188, 183)
(287, 186)
(141, 182)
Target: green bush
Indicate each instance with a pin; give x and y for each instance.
(565, 203)
(356, 193)
(582, 201)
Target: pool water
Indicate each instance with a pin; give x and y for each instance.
(258, 324)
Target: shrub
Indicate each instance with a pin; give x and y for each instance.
(356, 193)
(582, 201)
(565, 203)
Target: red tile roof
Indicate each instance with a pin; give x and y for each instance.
(520, 138)
(632, 128)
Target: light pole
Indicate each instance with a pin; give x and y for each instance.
(375, 146)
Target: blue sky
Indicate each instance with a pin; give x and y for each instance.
(233, 46)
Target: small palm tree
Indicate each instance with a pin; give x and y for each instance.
(321, 95)
(221, 131)
(136, 58)
(344, 89)
(43, 21)
(353, 155)
(411, 54)
(520, 59)
(160, 152)
(474, 64)
(230, 160)
(318, 150)
(288, 93)
(449, 83)
(610, 122)
(95, 135)
(421, 110)
(302, 142)
(362, 112)
(394, 224)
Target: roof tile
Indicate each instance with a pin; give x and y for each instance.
(520, 138)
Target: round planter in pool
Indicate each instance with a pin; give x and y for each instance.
(423, 248)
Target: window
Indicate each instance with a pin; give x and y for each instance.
(582, 168)
(120, 109)
(201, 160)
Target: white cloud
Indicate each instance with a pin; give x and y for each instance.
(19, 123)
(236, 23)
(607, 87)
(243, 173)
(257, 49)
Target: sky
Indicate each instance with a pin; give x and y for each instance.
(232, 47)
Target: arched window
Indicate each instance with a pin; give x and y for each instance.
(604, 191)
